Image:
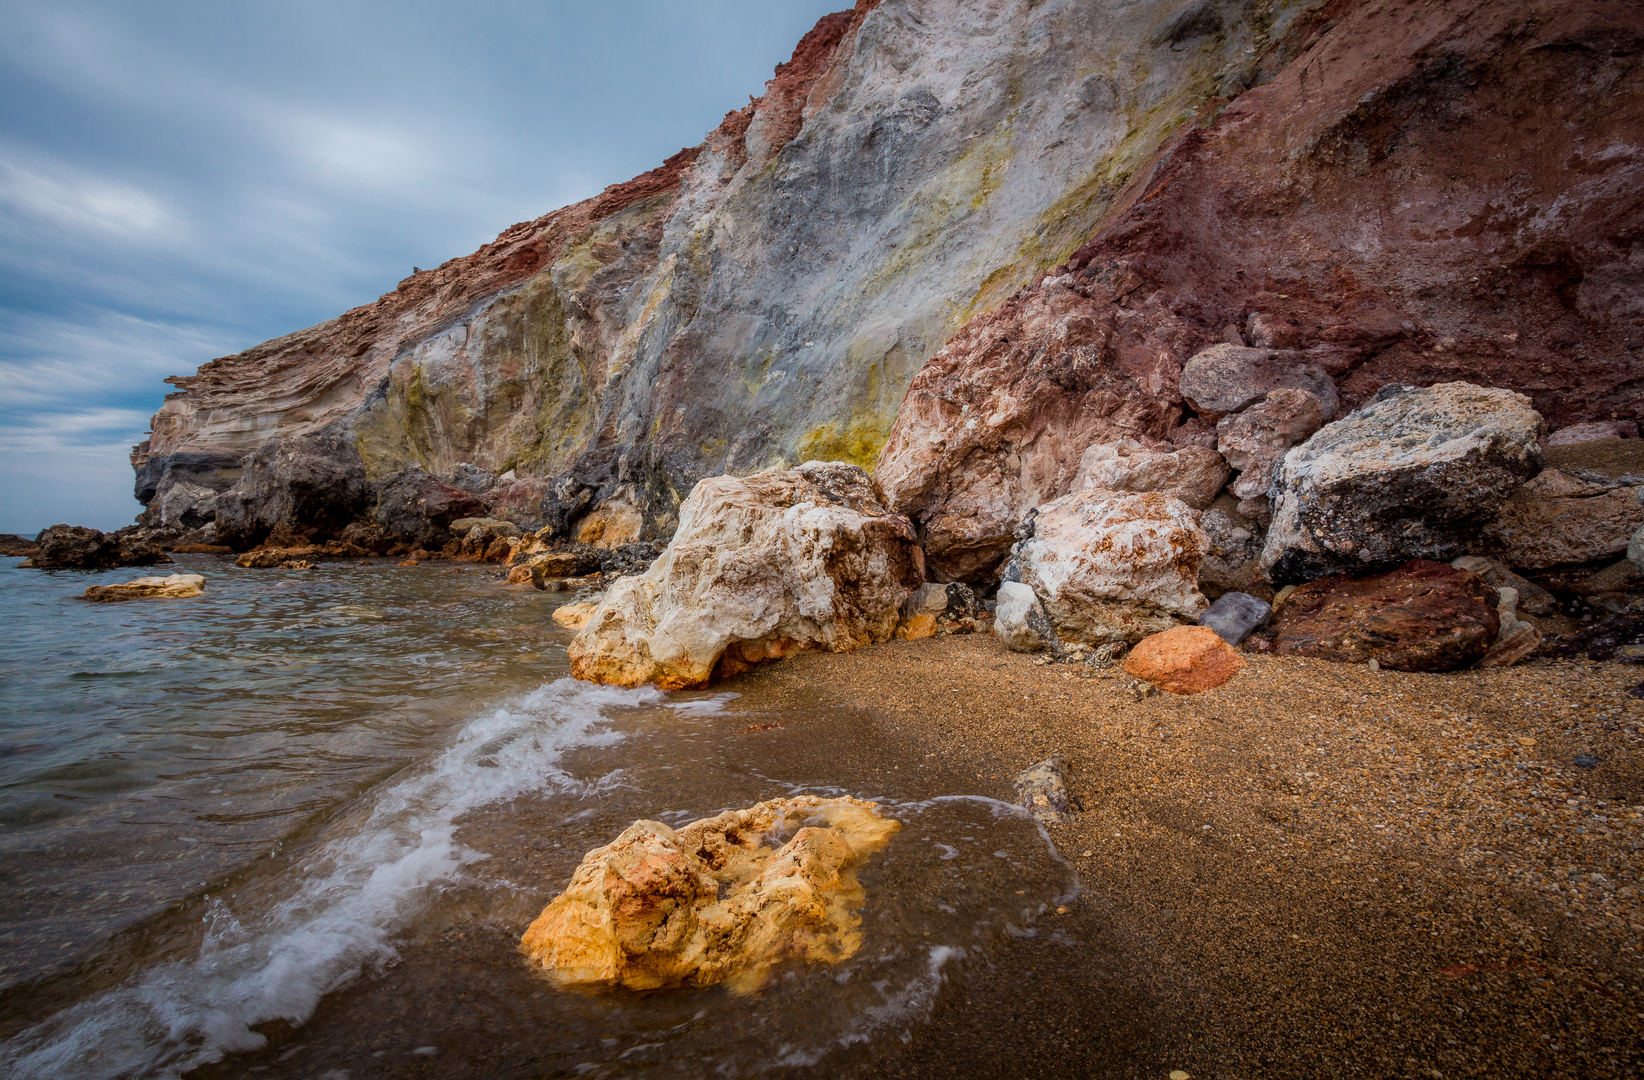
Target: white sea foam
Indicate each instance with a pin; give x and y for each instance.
(355, 894)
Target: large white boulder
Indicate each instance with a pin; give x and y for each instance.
(1414, 474)
(761, 566)
(1113, 567)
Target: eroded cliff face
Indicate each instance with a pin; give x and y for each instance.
(765, 297)
(1426, 192)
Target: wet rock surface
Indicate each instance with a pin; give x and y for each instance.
(1042, 790)
(760, 567)
(1415, 474)
(1113, 567)
(75, 547)
(1424, 616)
(173, 587)
(713, 902)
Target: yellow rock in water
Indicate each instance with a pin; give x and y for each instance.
(574, 616)
(712, 902)
(175, 587)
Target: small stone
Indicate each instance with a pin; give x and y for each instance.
(1041, 789)
(1235, 615)
(1186, 660)
(1525, 740)
(1375, 665)
(1587, 761)
(1180, 1074)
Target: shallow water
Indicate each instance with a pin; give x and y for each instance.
(296, 826)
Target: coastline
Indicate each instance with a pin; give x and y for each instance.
(1392, 881)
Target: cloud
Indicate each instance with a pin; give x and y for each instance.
(79, 201)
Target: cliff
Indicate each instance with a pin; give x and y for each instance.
(1405, 191)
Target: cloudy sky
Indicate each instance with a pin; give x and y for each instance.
(179, 181)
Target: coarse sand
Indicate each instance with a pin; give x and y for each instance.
(1317, 869)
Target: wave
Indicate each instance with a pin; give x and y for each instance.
(356, 893)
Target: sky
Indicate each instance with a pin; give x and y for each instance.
(180, 181)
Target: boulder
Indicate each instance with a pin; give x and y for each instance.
(1516, 639)
(1235, 615)
(75, 547)
(1184, 660)
(760, 567)
(1192, 474)
(267, 558)
(712, 902)
(1232, 559)
(1256, 440)
(1020, 622)
(1227, 378)
(1414, 474)
(1423, 616)
(1531, 597)
(15, 546)
(175, 587)
(1041, 790)
(1113, 567)
(486, 539)
(550, 566)
(575, 616)
(1591, 432)
(413, 507)
(1557, 519)
(306, 486)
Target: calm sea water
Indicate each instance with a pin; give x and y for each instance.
(295, 827)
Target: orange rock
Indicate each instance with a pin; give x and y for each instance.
(1186, 660)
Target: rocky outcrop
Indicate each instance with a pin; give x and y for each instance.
(1424, 616)
(75, 547)
(1185, 660)
(712, 902)
(302, 487)
(415, 508)
(1414, 474)
(761, 567)
(174, 587)
(14, 546)
(1112, 567)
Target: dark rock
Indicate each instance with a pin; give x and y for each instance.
(1598, 642)
(74, 547)
(567, 500)
(1231, 562)
(1041, 789)
(414, 507)
(1587, 761)
(1235, 615)
(1415, 475)
(368, 536)
(308, 487)
(1424, 616)
(472, 479)
(13, 545)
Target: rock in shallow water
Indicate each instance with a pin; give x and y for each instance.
(175, 587)
(760, 567)
(1186, 660)
(712, 902)
(75, 547)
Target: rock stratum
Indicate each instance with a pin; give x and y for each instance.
(965, 243)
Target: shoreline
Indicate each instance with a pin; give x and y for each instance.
(1318, 867)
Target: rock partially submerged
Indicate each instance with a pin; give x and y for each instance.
(1186, 660)
(760, 567)
(75, 547)
(1414, 474)
(175, 587)
(1113, 567)
(1424, 616)
(713, 902)
(13, 545)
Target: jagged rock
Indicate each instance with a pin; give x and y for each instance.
(184, 505)
(1593, 431)
(1235, 615)
(1557, 519)
(367, 536)
(413, 507)
(1232, 556)
(268, 558)
(712, 902)
(760, 567)
(1020, 622)
(486, 539)
(1256, 440)
(1516, 639)
(307, 486)
(13, 546)
(1113, 567)
(1192, 474)
(1531, 597)
(549, 566)
(1184, 660)
(75, 547)
(1041, 790)
(1414, 474)
(1423, 616)
(175, 587)
(1228, 378)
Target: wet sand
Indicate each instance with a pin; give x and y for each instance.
(1315, 870)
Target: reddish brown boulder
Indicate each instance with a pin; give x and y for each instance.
(1424, 616)
(1186, 660)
